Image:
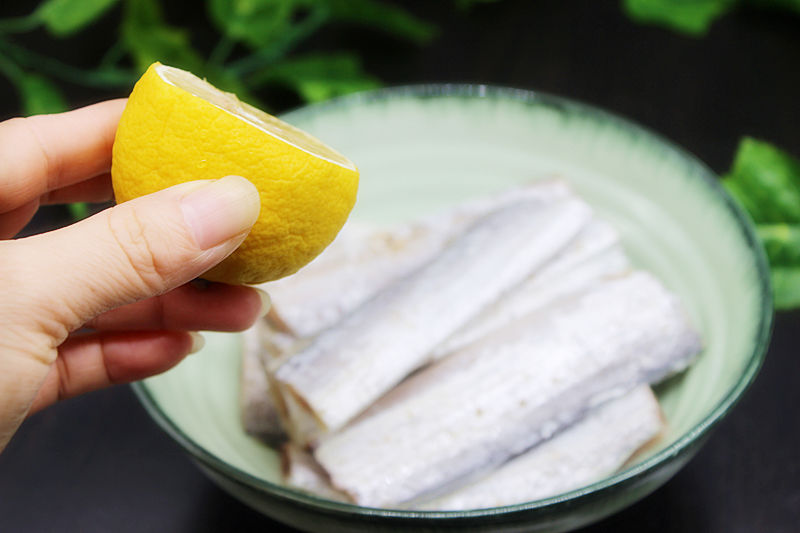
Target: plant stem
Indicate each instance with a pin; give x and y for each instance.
(105, 78)
(20, 24)
(113, 55)
(280, 48)
(10, 70)
(221, 51)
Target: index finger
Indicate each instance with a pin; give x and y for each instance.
(44, 153)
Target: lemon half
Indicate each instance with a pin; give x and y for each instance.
(178, 128)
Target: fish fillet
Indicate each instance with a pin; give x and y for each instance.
(364, 260)
(347, 367)
(596, 254)
(594, 447)
(361, 261)
(478, 407)
(301, 471)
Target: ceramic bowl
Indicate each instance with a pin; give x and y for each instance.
(423, 148)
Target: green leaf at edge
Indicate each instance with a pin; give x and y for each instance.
(691, 17)
(64, 17)
(766, 181)
(786, 287)
(781, 242)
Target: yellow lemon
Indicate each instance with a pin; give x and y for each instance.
(177, 128)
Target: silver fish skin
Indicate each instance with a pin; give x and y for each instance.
(260, 417)
(477, 408)
(594, 447)
(364, 260)
(346, 368)
(596, 254)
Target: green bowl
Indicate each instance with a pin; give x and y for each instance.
(423, 148)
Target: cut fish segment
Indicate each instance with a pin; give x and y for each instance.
(301, 470)
(361, 261)
(348, 367)
(596, 254)
(477, 408)
(261, 345)
(594, 447)
(364, 260)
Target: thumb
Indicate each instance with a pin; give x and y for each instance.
(137, 249)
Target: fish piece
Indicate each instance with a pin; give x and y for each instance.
(348, 367)
(594, 447)
(301, 471)
(260, 345)
(596, 254)
(476, 408)
(259, 416)
(363, 259)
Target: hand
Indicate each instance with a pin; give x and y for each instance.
(105, 300)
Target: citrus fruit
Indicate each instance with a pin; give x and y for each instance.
(177, 128)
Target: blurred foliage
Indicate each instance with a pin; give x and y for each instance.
(766, 182)
(694, 17)
(257, 39)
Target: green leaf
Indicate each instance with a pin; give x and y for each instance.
(781, 242)
(78, 210)
(766, 182)
(254, 22)
(318, 76)
(64, 17)
(786, 287)
(382, 16)
(148, 38)
(692, 17)
(39, 96)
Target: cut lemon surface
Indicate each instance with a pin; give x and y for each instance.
(177, 127)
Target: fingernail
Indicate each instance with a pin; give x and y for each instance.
(221, 210)
(266, 302)
(198, 341)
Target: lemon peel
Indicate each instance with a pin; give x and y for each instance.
(178, 128)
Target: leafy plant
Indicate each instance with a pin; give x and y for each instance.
(694, 17)
(766, 182)
(257, 39)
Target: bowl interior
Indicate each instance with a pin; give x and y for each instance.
(421, 149)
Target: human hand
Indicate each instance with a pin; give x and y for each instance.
(105, 300)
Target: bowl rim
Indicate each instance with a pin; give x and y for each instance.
(632, 473)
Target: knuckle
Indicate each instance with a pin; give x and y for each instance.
(143, 268)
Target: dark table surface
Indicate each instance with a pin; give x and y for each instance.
(99, 463)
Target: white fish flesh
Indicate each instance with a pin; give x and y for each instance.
(361, 261)
(596, 254)
(301, 471)
(491, 401)
(594, 447)
(347, 367)
(364, 260)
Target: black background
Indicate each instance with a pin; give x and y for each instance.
(98, 463)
